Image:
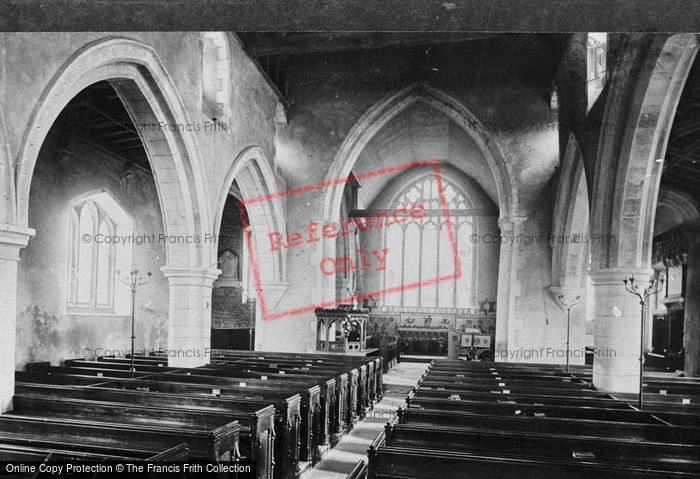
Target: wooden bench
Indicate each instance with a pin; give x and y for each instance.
(17, 453)
(657, 403)
(583, 427)
(222, 375)
(96, 437)
(287, 412)
(339, 403)
(563, 446)
(188, 385)
(256, 425)
(389, 462)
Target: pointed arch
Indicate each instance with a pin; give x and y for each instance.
(627, 173)
(570, 218)
(255, 178)
(388, 108)
(150, 97)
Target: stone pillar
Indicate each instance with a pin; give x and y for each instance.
(189, 322)
(691, 320)
(508, 287)
(617, 329)
(12, 240)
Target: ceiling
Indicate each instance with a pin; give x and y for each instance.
(277, 52)
(681, 168)
(97, 115)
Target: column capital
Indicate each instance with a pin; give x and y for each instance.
(614, 276)
(568, 293)
(12, 239)
(183, 276)
(508, 223)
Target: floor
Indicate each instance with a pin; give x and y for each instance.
(340, 460)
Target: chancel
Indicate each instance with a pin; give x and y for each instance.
(369, 256)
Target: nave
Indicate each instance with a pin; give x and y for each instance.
(286, 411)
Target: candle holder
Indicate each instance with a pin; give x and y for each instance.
(652, 288)
(568, 305)
(133, 281)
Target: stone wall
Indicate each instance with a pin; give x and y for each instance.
(46, 331)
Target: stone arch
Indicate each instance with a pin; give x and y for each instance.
(571, 217)
(150, 97)
(627, 173)
(257, 182)
(680, 205)
(382, 112)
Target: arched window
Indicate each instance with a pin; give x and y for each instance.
(421, 251)
(100, 246)
(215, 75)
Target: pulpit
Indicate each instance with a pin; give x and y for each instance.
(341, 330)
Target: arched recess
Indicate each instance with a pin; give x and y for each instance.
(676, 208)
(265, 215)
(150, 97)
(389, 107)
(216, 75)
(627, 173)
(571, 218)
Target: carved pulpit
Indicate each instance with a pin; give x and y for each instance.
(341, 330)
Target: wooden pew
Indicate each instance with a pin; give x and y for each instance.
(17, 453)
(256, 424)
(107, 373)
(58, 379)
(515, 389)
(287, 413)
(527, 421)
(220, 444)
(632, 431)
(657, 403)
(357, 400)
(338, 403)
(389, 462)
(376, 370)
(563, 446)
(188, 385)
(525, 410)
(216, 376)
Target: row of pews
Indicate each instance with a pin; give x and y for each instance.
(499, 420)
(280, 410)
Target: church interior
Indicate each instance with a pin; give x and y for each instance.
(352, 255)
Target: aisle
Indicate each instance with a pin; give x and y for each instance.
(338, 463)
